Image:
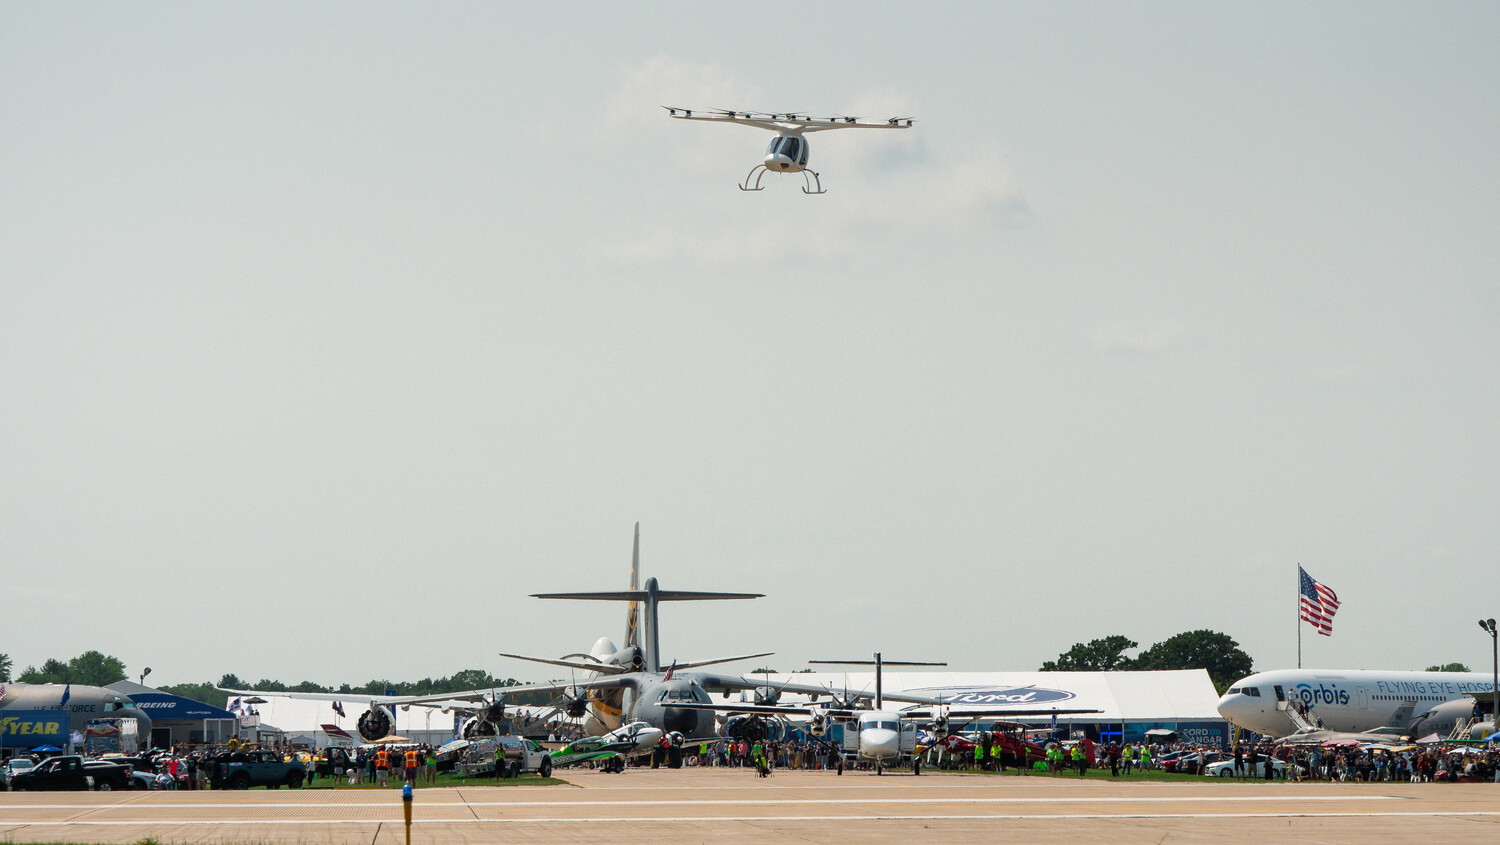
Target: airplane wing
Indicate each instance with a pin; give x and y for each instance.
(581, 665)
(457, 699)
(767, 709)
(740, 682)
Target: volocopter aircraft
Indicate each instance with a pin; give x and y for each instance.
(622, 685)
(788, 151)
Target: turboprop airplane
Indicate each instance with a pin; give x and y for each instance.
(34, 710)
(1282, 702)
(885, 737)
(621, 685)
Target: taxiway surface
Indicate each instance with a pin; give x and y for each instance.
(734, 806)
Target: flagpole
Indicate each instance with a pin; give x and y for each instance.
(1299, 615)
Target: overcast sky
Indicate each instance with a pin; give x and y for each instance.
(329, 332)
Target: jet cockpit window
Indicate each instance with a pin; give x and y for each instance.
(803, 160)
(1233, 691)
(1253, 692)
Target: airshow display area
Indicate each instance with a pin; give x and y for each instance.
(1129, 703)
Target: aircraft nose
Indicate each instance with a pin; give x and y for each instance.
(778, 162)
(1232, 708)
(878, 743)
(680, 720)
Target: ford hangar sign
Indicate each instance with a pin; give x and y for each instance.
(998, 696)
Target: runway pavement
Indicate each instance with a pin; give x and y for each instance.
(732, 805)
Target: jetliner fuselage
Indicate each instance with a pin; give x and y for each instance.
(1352, 700)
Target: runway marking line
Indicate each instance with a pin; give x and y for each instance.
(763, 819)
(692, 802)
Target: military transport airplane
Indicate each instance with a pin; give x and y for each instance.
(35, 709)
(621, 685)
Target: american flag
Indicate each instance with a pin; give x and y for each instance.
(1318, 603)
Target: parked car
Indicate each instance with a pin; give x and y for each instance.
(1189, 762)
(13, 765)
(71, 773)
(1225, 769)
(244, 769)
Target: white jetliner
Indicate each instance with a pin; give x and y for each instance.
(1354, 700)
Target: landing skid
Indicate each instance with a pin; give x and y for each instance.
(813, 185)
(762, 169)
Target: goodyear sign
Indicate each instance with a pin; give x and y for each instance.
(30, 728)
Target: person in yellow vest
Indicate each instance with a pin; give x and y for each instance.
(1127, 754)
(1145, 757)
(1079, 760)
(382, 765)
(430, 770)
(413, 759)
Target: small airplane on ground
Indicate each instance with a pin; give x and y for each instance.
(630, 740)
(788, 150)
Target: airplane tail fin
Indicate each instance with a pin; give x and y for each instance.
(633, 610)
(649, 632)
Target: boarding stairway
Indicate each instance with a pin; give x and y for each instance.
(1462, 731)
(1302, 716)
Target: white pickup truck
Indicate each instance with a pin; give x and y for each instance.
(521, 756)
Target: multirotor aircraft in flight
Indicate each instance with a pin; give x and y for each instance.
(788, 151)
(622, 686)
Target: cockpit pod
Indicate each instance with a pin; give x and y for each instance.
(787, 154)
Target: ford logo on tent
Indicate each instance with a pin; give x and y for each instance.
(999, 696)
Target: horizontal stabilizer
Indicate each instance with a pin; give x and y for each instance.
(698, 663)
(873, 663)
(586, 666)
(642, 595)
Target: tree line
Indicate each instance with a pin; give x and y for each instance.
(1225, 661)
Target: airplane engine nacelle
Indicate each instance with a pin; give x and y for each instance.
(476, 726)
(374, 724)
(577, 708)
(940, 720)
(818, 725)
